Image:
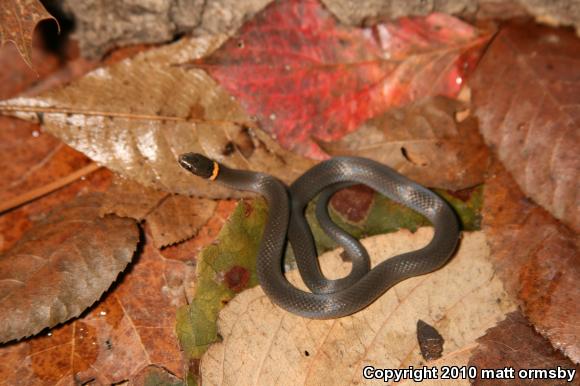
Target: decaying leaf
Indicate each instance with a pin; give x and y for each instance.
(422, 141)
(132, 328)
(514, 344)
(137, 116)
(171, 218)
(18, 18)
(537, 258)
(263, 344)
(308, 78)
(526, 96)
(61, 267)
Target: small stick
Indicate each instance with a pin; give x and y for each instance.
(48, 188)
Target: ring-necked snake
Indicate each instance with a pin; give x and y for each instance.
(333, 298)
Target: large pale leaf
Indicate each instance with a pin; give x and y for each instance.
(263, 344)
(538, 259)
(61, 267)
(526, 93)
(137, 116)
(307, 78)
(424, 142)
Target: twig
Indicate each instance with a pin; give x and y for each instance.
(48, 188)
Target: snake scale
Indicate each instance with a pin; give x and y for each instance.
(341, 297)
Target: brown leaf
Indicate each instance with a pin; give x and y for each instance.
(126, 198)
(136, 117)
(526, 96)
(18, 18)
(131, 328)
(178, 218)
(61, 267)
(537, 258)
(514, 344)
(424, 142)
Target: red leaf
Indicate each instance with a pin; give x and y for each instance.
(307, 77)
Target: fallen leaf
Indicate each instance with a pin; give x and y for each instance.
(137, 116)
(31, 158)
(132, 328)
(18, 18)
(537, 258)
(177, 218)
(263, 344)
(224, 268)
(61, 267)
(525, 93)
(155, 376)
(307, 78)
(514, 344)
(170, 218)
(423, 142)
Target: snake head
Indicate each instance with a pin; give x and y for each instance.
(198, 164)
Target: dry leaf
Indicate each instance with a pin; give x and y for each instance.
(537, 258)
(61, 267)
(126, 198)
(137, 116)
(131, 328)
(513, 343)
(525, 93)
(177, 218)
(424, 142)
(18, 18)
(266, 345)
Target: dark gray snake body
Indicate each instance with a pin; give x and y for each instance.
(333, 298)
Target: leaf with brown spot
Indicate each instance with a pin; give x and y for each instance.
(18, 18)
(137, 116)
(537, 258)
(526, 93)
(424, 142)
(61, 267)
(132, 328)
(513, 343)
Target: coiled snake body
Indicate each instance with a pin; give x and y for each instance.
(333, 298)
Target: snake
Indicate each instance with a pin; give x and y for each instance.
(286, 222)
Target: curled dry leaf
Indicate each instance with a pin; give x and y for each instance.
(514, 343)
(131, 328)
(18, 18)
(424, 142)
(62, 266)
(537, 258)
(308, 78)
(137, 116)
(461, 301)
(526, 96)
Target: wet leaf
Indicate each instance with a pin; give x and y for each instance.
(224, 268)
(537, 258)
(18, 18)
(132, 328)
(424, 142)
(61, 267)
(267, 345)
(525, 93)
(308, 78)
(137, 116)
(513, 343)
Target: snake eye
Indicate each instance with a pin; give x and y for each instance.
(198, 164)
